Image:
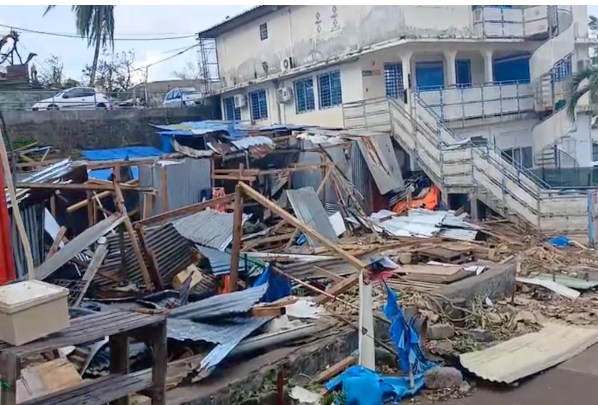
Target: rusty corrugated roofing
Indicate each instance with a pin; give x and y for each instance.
(529, 354)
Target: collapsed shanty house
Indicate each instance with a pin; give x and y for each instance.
(301, 249)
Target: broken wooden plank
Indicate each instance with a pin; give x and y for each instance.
(180, 212)
(335, 369)
(120, 203)
(237, 233)
(103, 194)
(263, 311)
(81, 186)
(56, 244)
(97, 260)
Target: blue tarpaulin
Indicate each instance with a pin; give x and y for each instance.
(361, 386)
(559, 241)
(278, 286)
(131, 152)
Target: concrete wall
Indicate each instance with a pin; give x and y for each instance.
(311, 34)
(98, 129)
(505, 135)
(351, 88)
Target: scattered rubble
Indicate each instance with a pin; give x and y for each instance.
(262, 250)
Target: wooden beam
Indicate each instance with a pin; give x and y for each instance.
(335, 369)
(56, 243)
(151, 259)
(190, 209)
(81, 186)
(163, 189)
(120, 203)
(237, 233)
(103, 194)
(358, 264)
(97, 260)
(263, 311)
(109, 164)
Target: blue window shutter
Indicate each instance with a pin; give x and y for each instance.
(329, 89)
(512, 69)
(562, 69)
(259, 105)
(231, 113)
(393, 80)
(463, 68)
(429, 75)
(304, 95)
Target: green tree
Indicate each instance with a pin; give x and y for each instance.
(96, 24)
(585, 81)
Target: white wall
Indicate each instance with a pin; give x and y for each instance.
(505, 135)
(351, 87)
(315, 33)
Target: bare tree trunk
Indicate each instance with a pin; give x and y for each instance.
(98, 40)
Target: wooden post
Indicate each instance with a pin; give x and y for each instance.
(237, 233)
(120, 204)
(163, 189)
(151, 260)
(56, 243)
(53, 205)
(119, 360)
(160, 364)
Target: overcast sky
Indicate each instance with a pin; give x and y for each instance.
(130, 21)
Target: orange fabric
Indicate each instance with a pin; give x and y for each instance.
(429, 201)
(226, 288)
(218, 192)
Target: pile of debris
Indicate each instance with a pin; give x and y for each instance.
(248, 250)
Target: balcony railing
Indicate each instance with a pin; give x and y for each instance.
(488, 100)
(511, 22)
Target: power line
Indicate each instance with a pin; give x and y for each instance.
(57, 34)
(165, 59)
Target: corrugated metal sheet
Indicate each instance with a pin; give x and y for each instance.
(220, 261)
(309, 210)
(185, 329)
(76, 245)
(209, 228)
(529, 354)
(378, 152)
(360, 175)
(237, 302)
(171, 250)
(313, 178)
(337, 266)
(33, 220)
(248, 142)
(187, 181)
(458, 234)
(47, 174)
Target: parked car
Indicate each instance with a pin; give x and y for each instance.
(75, 98)
(182, 97)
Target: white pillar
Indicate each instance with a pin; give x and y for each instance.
(406, 65)
(488, 67)
(451, 68)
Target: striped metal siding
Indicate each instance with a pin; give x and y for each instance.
(33, 220)
(360, 175)
(313, 178)
(185, 182)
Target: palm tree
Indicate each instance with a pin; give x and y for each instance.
(582, 82)
(96, 23)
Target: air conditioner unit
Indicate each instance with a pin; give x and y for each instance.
(286, 64)
(240, 100)
(284, 94)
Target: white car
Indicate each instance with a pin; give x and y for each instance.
(182, 97)
(75, 98)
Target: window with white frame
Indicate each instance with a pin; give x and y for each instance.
(258, 103)
(329, 89)
(304, 95)
(230, 112)
(263, 31)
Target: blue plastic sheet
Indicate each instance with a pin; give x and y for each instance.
(559, 241)
(361, 386)
(278, 286)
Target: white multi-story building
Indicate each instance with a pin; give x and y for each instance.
(494, 74)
